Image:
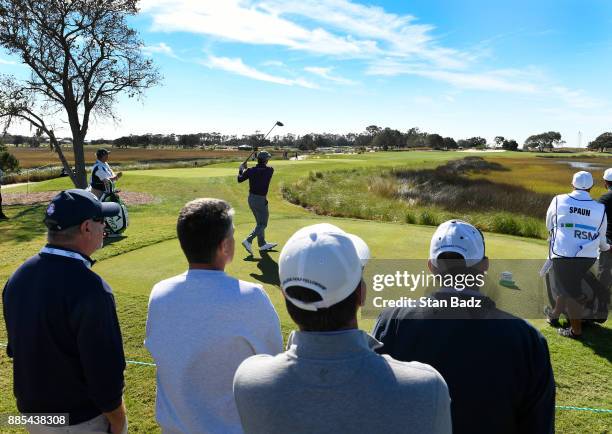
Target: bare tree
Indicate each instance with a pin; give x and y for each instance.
(81, 55)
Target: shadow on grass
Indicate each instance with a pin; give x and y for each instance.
(113, 240)
(268, 268)
(598, 339)
(25, 225)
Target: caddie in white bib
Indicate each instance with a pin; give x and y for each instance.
(577, 225)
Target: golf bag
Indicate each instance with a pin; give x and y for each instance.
(115, 225)
(595, 298)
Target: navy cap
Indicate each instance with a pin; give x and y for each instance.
(73, 207)
(102, 152)
(263, 156)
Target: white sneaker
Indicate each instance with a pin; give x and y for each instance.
(267, 246)
(247, 246)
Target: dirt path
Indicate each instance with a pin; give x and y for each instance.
(6, 187)
(129, 197)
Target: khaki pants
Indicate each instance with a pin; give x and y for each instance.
(96, 425)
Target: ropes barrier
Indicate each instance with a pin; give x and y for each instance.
(595, 410)
(132, 362)
(558, 407)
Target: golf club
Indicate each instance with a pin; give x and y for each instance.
(277, 123)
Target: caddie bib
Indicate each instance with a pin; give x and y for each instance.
(576, 228)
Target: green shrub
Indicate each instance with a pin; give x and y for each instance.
(428, 218)
(533, 229)
(505, 224)
(410, 218)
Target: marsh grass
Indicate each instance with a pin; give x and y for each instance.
(448, 187)
(426, 197)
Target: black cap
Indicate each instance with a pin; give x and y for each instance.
(102, 152)
(73, 207)
(263, 156)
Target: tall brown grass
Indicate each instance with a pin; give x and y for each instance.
(449, 188)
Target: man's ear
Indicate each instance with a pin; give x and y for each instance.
(85, 226)
(224, 247)
(363, 290)
(483, 265)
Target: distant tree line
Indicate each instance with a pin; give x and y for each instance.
(372, 137)
(602, 143)
(33, 141)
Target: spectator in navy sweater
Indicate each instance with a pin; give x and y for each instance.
(62, 326)
(497, 366)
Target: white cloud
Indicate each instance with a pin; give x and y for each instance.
(326, 74)
(237, 66)
(424, 100)
(392, 35)
(337, 27)
(161, 48)
(7, 62)
(482, 81)
(500, 80)
(274, 63)
(246, 22)
(577, 98)
(530, 80)
(388, 44)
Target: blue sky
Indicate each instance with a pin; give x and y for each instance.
(456, 67)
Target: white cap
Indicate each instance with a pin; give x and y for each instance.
(324, 259)
(582, 180)
(363, 251)
(459, 237)
(608, 175)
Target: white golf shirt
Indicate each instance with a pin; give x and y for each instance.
(102, 171)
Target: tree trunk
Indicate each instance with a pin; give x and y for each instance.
(79, 161)
(55, 144)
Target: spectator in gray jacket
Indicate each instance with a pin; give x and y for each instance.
(330, 379)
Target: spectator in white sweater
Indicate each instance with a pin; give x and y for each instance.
(203, 323)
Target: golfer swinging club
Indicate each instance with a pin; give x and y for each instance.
(259, 181)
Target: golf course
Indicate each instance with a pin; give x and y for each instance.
(150, 252)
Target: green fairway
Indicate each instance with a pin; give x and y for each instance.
(204, 172)
(151, 253)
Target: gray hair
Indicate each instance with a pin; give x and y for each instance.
(64, 236)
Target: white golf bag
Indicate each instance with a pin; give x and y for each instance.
(118, 224)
